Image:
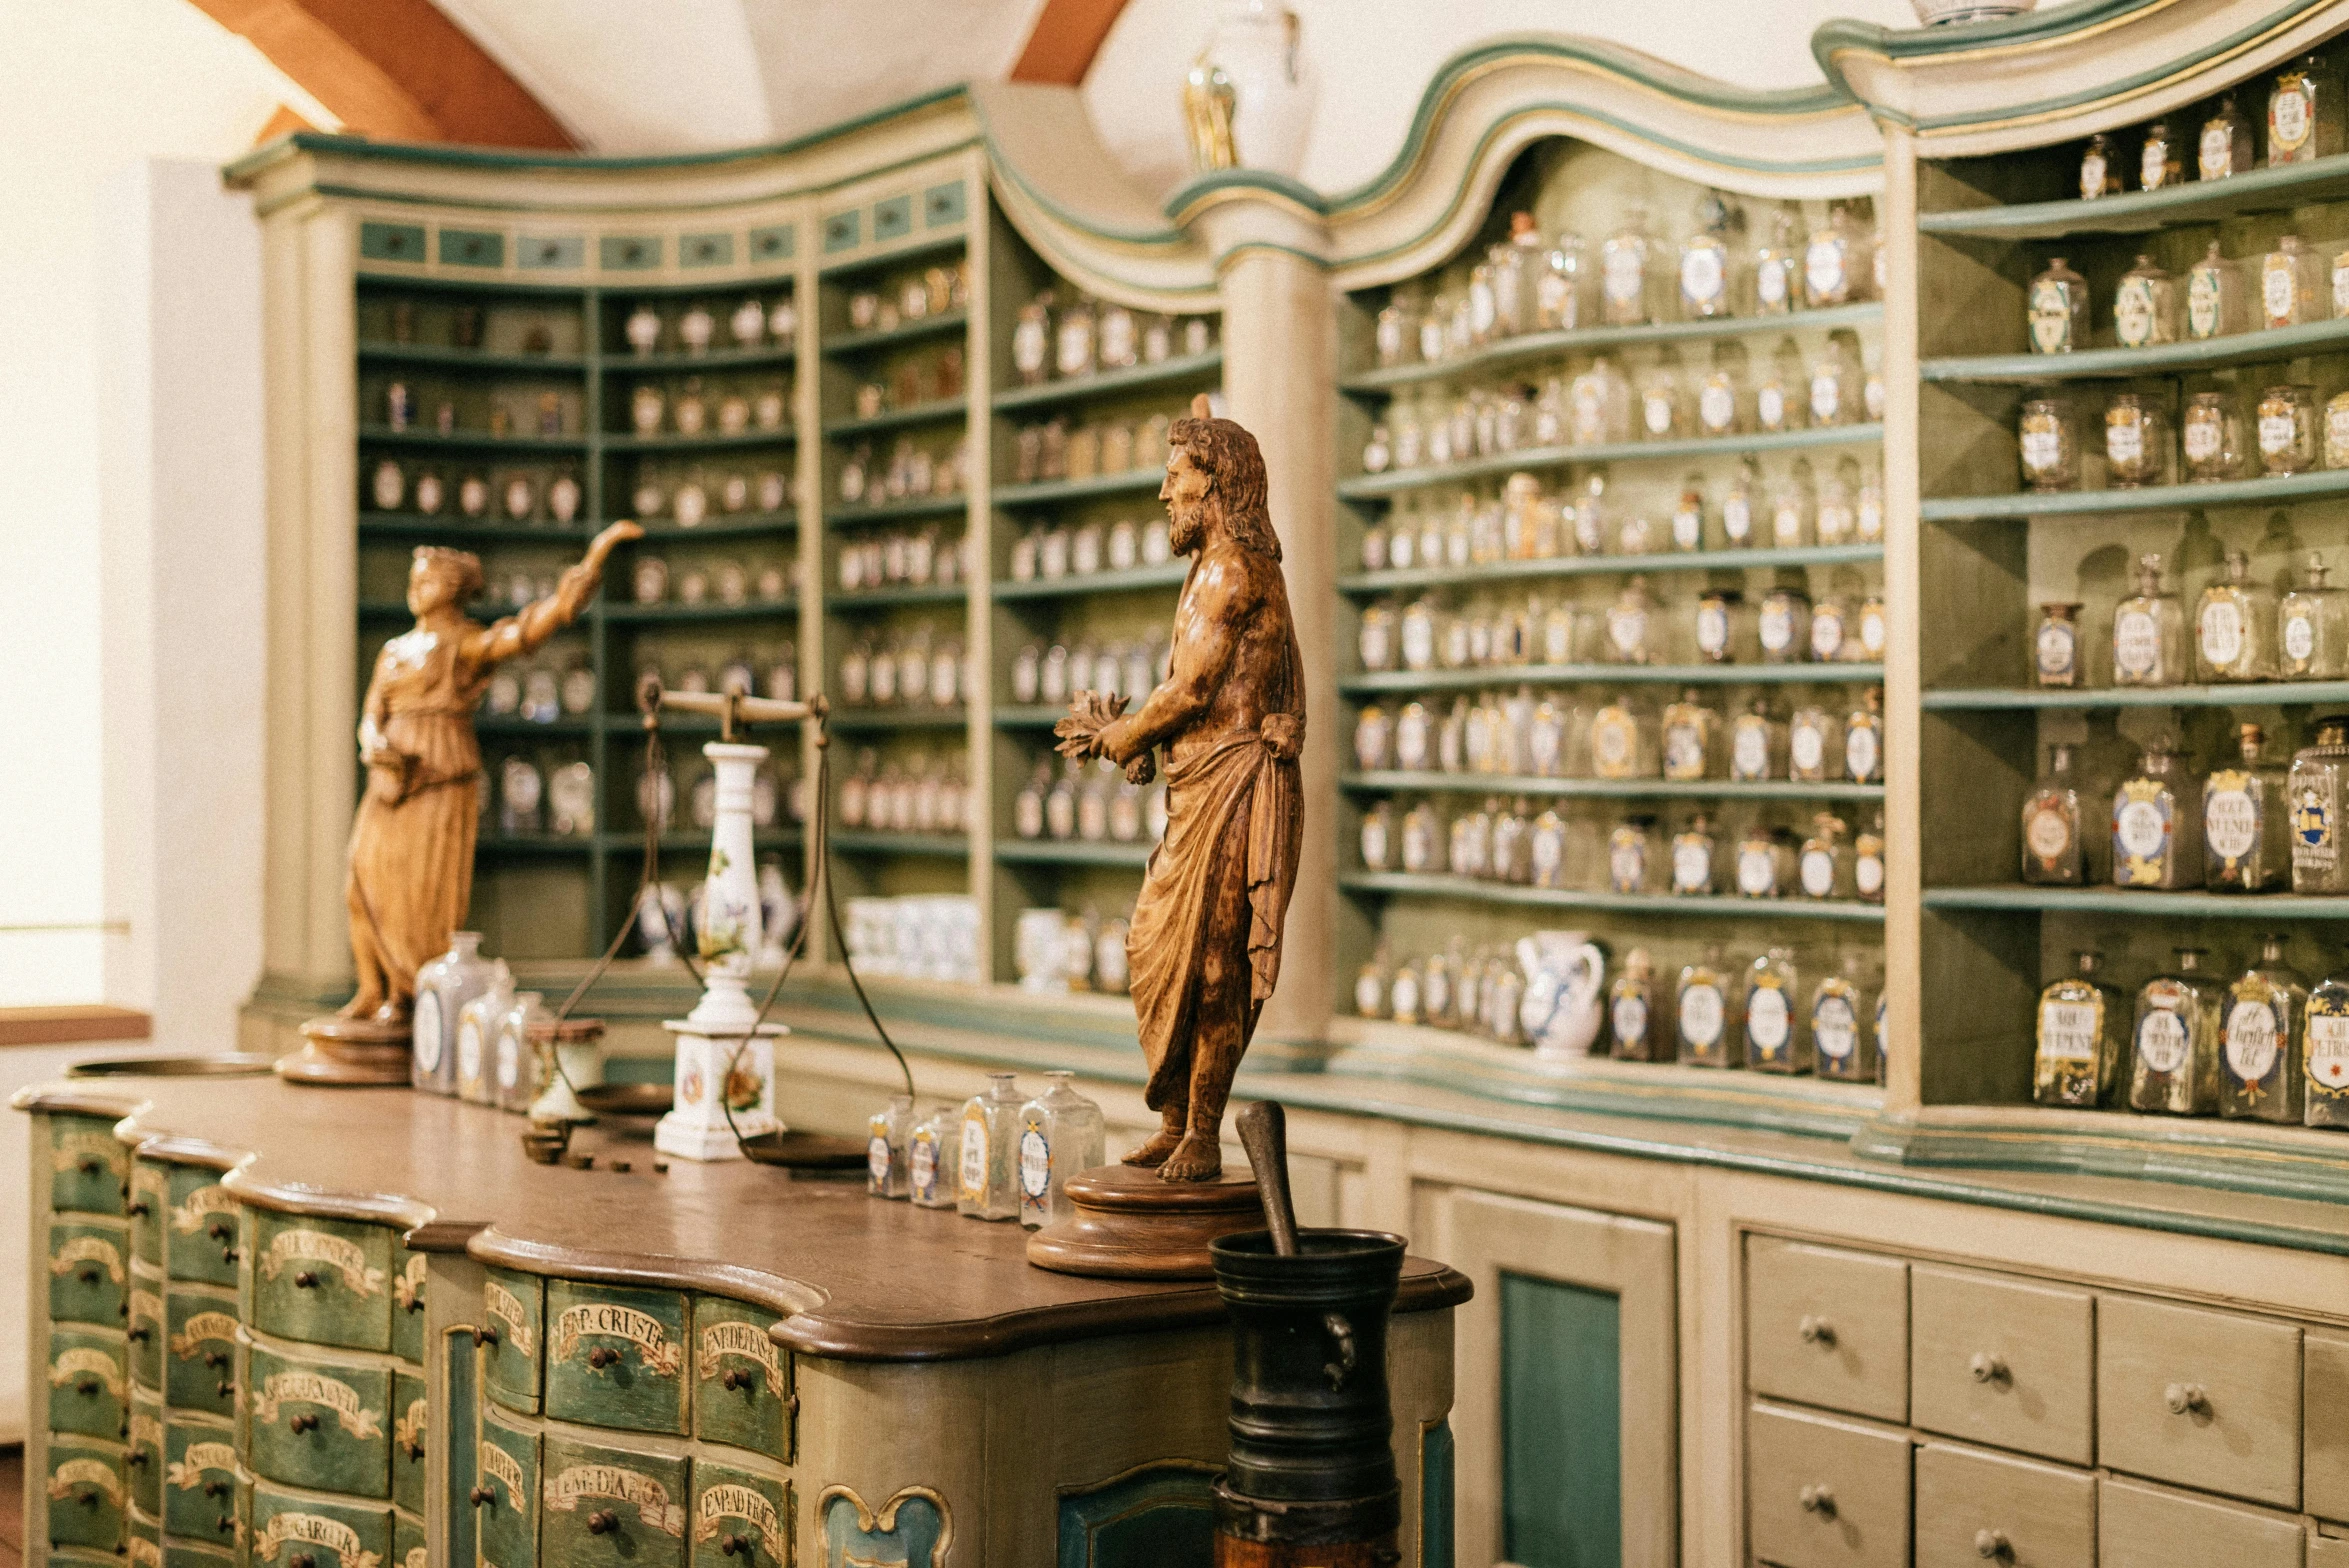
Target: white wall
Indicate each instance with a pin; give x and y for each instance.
(94, 86)
(1374, 59)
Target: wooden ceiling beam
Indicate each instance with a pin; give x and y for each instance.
(398, 70)
(1066, 37)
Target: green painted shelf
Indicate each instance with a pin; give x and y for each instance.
(857, 266)
(897, 718)
(848, 516)
(2122, 901)
(523, 846)
(1582, 340)
(1613, 675)
(622, 362)
(471, 441)
(937, 846)
(2251, 694)
(421, 283)
(885, 598)
(1472, 890)
(848, 344)
(413, 525)
(692, 843)
(1111, 383)
(1373, 487)
(437, 357)
(1166, 574)
(509, 727)
(1588, 565)
(2277, 491)
(722, 526)
(1383, 780)
(713, 441)
(1033, 716)
(1070, 852)
(2120, 364)
(898, 418)
(751, 610)
(2142, 212)
(1046, 492)
(382, 610)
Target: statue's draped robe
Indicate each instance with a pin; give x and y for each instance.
(1203, 948)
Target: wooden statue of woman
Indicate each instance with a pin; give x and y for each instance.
(411, 863)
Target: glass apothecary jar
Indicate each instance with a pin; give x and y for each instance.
(1757, 745)
(2055, 647)
(2304, 119)
(987, 1183)
(2287, 429)
(2211, 435)
(1784, 626)
(1765, 862)
(2160, 164)
(2260, 1040)
(2053, 853)
(1708, 1016)
(1843, 1046)
(2336, 437)
(2157, 824)
(1060, 1133)
(2057, 309)
(2325, 1051)
(1773, 1042)
(2049, 445)
(2149, 632)
(2136, 440)
(2312, 628)
(1726, 629)
(2217, 304)
(2245, 838)
(2315, 789)
(1637, 1028)
(2224, 148)
(1696, 858)
(2234, 629)
(2100, 168)
(2173, 1065)
(2078, 1051)
(2292, 291)
(889, 1149)
(2145, 306)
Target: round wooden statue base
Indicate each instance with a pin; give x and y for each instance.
(348, 1053)
(1130, 1225)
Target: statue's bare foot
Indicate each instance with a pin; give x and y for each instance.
(1196, 1158)
(361, 1006)
(1162, 1143)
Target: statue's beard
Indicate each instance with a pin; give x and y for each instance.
(1187, 527)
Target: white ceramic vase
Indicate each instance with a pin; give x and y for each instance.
(1253, 67)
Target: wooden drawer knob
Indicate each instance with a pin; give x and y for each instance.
(2185, 1398)
(1817, 1499)
(733, 1546)
(1816, 1331)
(137, 1456)
(486, 1336)
(738, 1379)
(601, 1356)
(139, 1209)
(1987, 1368)
(306, 1280)
(1992, 1544)
(139, 1336)
(302, 1560)
(86, 1385)
(482, 1497)
(302, 1423)
(219, 1230)
(216, 1489)
(602, 1522)
(216, 1358)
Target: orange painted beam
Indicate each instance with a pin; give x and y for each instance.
(1066, 37)
(394, 69)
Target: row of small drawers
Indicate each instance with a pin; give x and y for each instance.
(95, 1508)
(637, 1360)
(573, 1503)
(1827, 1492)
(2217, 1401)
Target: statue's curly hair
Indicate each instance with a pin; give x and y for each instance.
(463, 565)
(1229, 453)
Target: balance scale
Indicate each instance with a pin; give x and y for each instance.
(725, 1055)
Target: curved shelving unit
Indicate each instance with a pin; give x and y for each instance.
(1403, 781)
(1373, 487)
(1613, 675)
(1392, 581)
(1410, 884)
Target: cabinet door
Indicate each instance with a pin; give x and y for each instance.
(1567, 1421)
(2209, 1400)
(2002, 1361)
(1974, 1505)
(2325, 1401)
(1822, 1492)
(1827, 1327)
(2141, 1526)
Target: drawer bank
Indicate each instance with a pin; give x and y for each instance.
(360, 1330)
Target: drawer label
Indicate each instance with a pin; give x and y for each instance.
(409, 1429)
(187, 1472)
(147, 1184)
(746, 1340)
(313, 1530)
(315, 1246)
(84, 1472)
(203, 1329)
(408, 1289)
(507, 1308)
(143, 1550)
(660, 1355)
(733, 1502)
(200, 1206)
(417, 1557)
(74, 1147)
(649, 1497)
(145, 1430)
(499, 1465)
(146, 1304)
(85, 1361)
(88, 1249)
(311, 1388)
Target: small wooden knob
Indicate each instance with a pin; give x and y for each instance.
(2185, 1398)
(482, 1497)
(602, 1522)
(137, 1456)
(139, 1336)
(229, 1254)
(302, 1423)
(1987, 1368)
(1816, 1331)
(486, 1336)
(1817, 1499)
(216, 1489)
(219, 1230)
(216, 1358)
(91, 1165)
(302, 1560)
(600, 1357)
(85, 1385)
(306, 1280)
(1992, 1544)
(731, 1545)
(88, 1276)
(736, 1378)
(139, 1209)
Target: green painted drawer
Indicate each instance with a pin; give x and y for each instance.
(324, 1282)
(513, 1307)
(408, 1548)
(146, 1332)
(86, 1493)
(89, 1385)
(505, 1495)
(411, 1441)
(142, 1535)
(408, 1270)
(89, 1279)
(200, 1231)
(740, 1519)
(615, 1357)
(318, 1424)
(612, 1507)
(286, 1529)
(150, 1197)
(200, 1479)
(741, 1379)
(180, 1554)
(88, 1165)
(143, 1465)
(200, 1351)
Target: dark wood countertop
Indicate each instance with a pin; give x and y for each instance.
(852, 1277)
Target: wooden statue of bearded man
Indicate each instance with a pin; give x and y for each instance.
(1205, 942)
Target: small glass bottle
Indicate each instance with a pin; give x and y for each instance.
(1793, 501)
(1692, 740)
(2259, 1053)
(1823, 867)
(1842, 1045)
(1633, 864)
(2157, 824)
(1562, 290)
(2078, 1053)
(2149, 633)
(477, 1027)
(2287, 427)
(986, 1161)
(2312, 628)
(1774, 1042)
(1707, 1013)
(2336, 431)
(2304, 120)
(1784, 626)
(1867, 861)
(2224, 148)
(2212, 436)
(2052, 850)
(1628, 266)
(1637, 1029)
(2315, 792)
(1783, 392)
(2234, 630)
(2292, 286)
(1863, 739)
(1060, 1134)
(930, 1159)
(1623, 742)
(2100, 168)
(1757, 745)
(1833, 273)
(1777, 265)
(1837, 382)
(889, 1149)
(1664, 411)
(2324, 1053)
(2160, 164)
(2136, 441)
(1739, 504)
(1709, 284)
(2055, 647)
(1765, 862)
(1632, 625)
(1722, 405)
(2057, 310)
(1837, 519)
(2246, 842)
(2217, 303)
(2173, 1064)
(443, 987)
(1725, 631)
(1814, 745)
(2145, 306)
(515, 1063)
(2050, 446)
